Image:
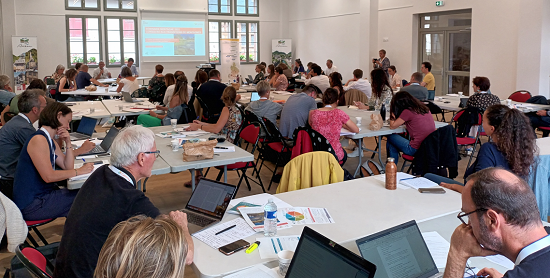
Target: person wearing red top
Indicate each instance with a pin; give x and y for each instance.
(406, 109)
(329, 121)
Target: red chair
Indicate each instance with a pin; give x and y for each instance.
(520, 96)
(545, 130)
(407, 158)
(32, 225)
(250, 134)
(34, 261)
(467, 141)
(277, 143)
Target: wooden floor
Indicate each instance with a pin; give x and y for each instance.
(168, 193)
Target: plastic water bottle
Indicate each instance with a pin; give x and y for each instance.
(270, 219)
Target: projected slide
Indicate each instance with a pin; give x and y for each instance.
(173, 38)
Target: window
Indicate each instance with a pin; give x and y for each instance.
(84, 40)
(120, 5)
(222, 7)
(246, 7)
(82, 5)
(247, 32)
(217, 30)
(121, 40)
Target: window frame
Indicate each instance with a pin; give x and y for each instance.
(257, 14)
(82, 6)
(84, 47)
(219, 21)
(248, 40)
(122, 62)
(230, 13)
(120, 9)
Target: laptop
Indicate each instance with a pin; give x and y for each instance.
(208, 203)
(106, 143)
(398, 251)
(128, 98)
(319, 257)
(85, 129)
(249, 80)
(254, 96)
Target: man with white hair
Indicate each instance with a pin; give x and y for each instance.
(108, 197)
(6, 92)
(265, 107)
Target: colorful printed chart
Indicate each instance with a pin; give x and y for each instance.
(294, 216)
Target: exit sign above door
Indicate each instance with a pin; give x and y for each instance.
(439, 3)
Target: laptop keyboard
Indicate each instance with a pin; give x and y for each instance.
(96, 149)
(199, 220)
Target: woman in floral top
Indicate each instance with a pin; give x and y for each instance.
(230, 119)
(279, 81)
(381, 90)
(58, 74)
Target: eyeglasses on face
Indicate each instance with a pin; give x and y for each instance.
(465, 218)
(157, 153)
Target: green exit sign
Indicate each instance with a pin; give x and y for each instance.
(439, 3)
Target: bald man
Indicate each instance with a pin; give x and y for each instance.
(83, 79)
(500, 216)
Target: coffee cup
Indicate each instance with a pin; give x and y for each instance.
(460, 94)
(174, 123)
(175, 145)
(358, 120)
(285, 257)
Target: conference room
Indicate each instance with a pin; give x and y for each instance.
(363, 120)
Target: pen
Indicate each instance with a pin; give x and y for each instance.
(407, 179)
(253, 247)
(223, 148)
(226, 229)
(83, 159)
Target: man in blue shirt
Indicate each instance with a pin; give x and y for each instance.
(500, 216)
(6, 92)
(131, 66)
(84, 79)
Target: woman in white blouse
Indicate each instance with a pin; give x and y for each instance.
(128, 83)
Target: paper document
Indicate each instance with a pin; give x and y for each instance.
(133, 110)
(208, 236)
(344, 132)
(305, 215)
(419, 182)
(86, 156)
(400, 176)
(501, 260)
(229, 149)
(257, 271)
(85, 176)
(234, 209)
(438, 246)
(271, 246)
(254, 216)
(282, 92)
(261, 200)
(78, 143)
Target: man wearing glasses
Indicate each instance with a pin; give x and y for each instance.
(108, 197)
(499, 216)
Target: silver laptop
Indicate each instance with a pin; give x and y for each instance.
(85, 129)
(106, 143)
(399, 252)
(128, 98)
(208, 203)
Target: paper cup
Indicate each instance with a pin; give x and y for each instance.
(358, 120)
(175, 145)
(508, 102)
(174, 123)
(285, 257)
(397, 88)
(460, 94)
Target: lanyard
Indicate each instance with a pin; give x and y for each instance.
(121, 174)
(532, 248)
(50, 143)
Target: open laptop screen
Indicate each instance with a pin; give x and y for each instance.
(211, 197)
(318, 257)
(398, 252)
(109, 138)
(87, 125)
(254, 96)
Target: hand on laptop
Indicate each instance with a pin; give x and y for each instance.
(180, 217)
(86, 147)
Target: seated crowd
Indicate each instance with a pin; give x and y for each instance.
(127, 236)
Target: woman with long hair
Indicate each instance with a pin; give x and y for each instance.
(381, 90)
(298, 67)
(143, 247)
(279, 80)
(260, 72)
(513, 144)
(66, 84)
(335, 80)
(270, 72)
(170, 81)
(174, 109)
(406, 109)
